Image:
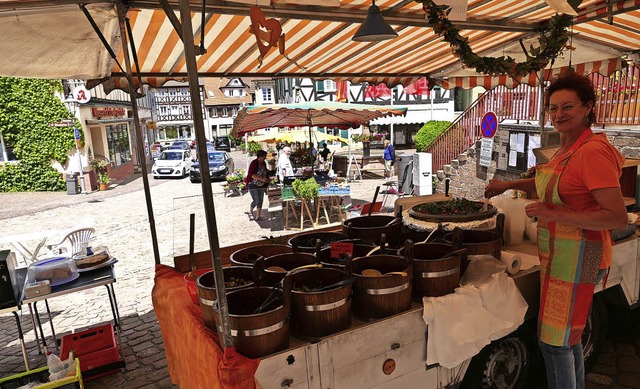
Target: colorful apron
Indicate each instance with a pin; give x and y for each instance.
(570, 260)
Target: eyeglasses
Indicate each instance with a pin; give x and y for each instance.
(553, 109)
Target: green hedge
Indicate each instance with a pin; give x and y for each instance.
(28, 108)
(429, 132)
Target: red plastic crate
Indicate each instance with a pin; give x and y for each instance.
(95, 348)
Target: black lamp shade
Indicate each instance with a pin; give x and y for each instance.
(374, 28)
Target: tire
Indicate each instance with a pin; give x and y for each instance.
(503, 364)
(595, 332)
(193, 181)
(184, 172)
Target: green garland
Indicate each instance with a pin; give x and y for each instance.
(551, 44)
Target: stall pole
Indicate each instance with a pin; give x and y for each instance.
(391, 135)
(196, 104)
(138, 134)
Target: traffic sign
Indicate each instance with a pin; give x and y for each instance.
(489, 124)
(76, 134)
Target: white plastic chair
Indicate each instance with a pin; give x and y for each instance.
(74, 242)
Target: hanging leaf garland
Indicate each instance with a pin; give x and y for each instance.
(551, 44)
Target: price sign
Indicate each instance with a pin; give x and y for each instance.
(341, 249)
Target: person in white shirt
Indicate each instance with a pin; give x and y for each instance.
(284, 164)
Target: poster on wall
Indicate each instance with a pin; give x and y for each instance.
(486, 151)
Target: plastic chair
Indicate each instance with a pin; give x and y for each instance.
(74, 242)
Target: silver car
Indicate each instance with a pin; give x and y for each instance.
(172, 163)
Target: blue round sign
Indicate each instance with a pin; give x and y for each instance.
(76, 133)
(489, 125)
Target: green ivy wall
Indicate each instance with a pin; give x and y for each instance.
(27, 107)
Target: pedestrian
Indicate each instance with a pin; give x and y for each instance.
(325, 153)
(284, 164)
(257, 181)
(389, 158)
(579, 203)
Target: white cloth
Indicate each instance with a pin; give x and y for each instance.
(460, 324)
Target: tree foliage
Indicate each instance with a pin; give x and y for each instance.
(27, 107)
(429, 132)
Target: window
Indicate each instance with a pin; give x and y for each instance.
(225, 129)
(225, 113)
(329, 86)
(162, 109)
(174, 110)
(118, 144)
(186, 110)
(172, 92)
(234, 111)
(213, 112)
(267, 95)
(6, 150)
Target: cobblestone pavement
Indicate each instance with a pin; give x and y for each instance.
(119, 216)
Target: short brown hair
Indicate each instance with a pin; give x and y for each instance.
(580, 84)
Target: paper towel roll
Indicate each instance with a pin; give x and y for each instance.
(512, 261)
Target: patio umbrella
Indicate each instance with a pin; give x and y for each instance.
(314, 113)
(296, 136)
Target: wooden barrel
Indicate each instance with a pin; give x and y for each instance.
(370, 227)
(256, 335)
(207, 294)
(378, 297)
(248, 255)
(476, 242)
(360, 249)
(287, 262)
(436, 269)
(306, 243)
(319, 313)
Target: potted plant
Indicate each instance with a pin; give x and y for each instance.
(103, 180)
(99, 165)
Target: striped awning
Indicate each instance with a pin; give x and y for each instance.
(317, 38)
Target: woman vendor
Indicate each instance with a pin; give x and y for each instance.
(579, 203)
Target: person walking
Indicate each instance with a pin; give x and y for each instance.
(579, 203)
(284, 164)
(257, 181)
(389, 158)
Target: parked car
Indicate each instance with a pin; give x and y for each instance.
(172, 163)
(220, 164)
(223, 143)
(183, 144)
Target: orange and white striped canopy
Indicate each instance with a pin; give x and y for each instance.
(317, 38)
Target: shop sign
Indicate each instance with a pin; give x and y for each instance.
(100, 113)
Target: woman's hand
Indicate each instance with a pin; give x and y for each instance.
(539, 210)
(495, 188)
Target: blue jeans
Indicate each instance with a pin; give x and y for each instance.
(564, 365)
(257, 196)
